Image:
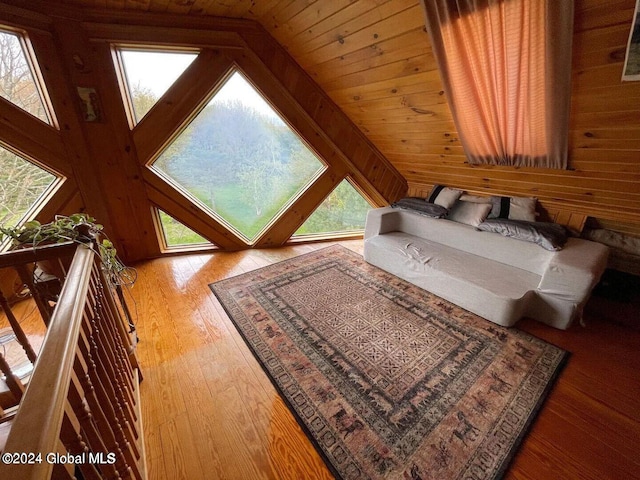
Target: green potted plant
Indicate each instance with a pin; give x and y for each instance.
(79, 228)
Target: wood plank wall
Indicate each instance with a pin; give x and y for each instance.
(373, 59)
(377, 65)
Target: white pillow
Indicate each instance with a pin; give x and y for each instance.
(444, 196)
(465, 197)
(514, 208)
(469, 212)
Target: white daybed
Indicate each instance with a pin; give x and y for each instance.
(499, 278)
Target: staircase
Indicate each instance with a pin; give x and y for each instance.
(76, 407)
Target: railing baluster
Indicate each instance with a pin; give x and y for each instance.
(27, 277)
(81, 408)
(101, 420)
(124, 378)
(107, 378)
(94, 392)
(81, 399)
(115, 432)
(17, 329)
(14, 383)
(71, 436)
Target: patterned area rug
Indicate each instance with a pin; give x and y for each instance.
(388, 380)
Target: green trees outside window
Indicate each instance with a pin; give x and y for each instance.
(236, 158)
(16, 77)
(22, 183)
(241, 161)
(149, 74)
(343, 211)
(176, 234)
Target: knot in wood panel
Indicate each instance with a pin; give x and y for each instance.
(422, 111)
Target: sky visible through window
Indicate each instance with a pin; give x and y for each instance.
(157, 71)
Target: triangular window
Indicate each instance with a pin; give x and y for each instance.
(343, 211)
(18, 77)
(24, 184)
(148, 74)
(177, 234)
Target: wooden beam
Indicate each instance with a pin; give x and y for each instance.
(281, 230)
(170, 199)
(332, 124)
(103, 153)
(65, 105)
(19, 17)
(34, 138)
(159, 35)
(180, 103)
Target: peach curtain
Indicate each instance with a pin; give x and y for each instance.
(506, 69)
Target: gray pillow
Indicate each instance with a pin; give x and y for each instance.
(550, 236)
(421, 206)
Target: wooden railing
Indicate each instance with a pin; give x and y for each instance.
(80, 414)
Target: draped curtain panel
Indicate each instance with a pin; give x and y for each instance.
(506, 69)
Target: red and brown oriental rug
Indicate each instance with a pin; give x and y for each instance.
(388, 380)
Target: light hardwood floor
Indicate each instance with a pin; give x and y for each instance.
(209, 411)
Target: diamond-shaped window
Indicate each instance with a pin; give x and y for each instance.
(176, 234)
(149, 74)
(17, 77)
(23, 185)
(343, 211)
(240, 159)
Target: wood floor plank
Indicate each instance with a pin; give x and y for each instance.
(209, 444)
(209, 411)
(289, 460)
(252, 460)
(598, 423)
(178, 449)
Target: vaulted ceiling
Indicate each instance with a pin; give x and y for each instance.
(373, 60)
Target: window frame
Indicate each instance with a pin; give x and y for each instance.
(36, 75)
(345, 235)
(235, 68)
(42, 199)
(123, 79)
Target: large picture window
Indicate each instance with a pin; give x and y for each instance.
(239, 159)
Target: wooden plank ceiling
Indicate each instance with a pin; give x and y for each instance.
(373, 59)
